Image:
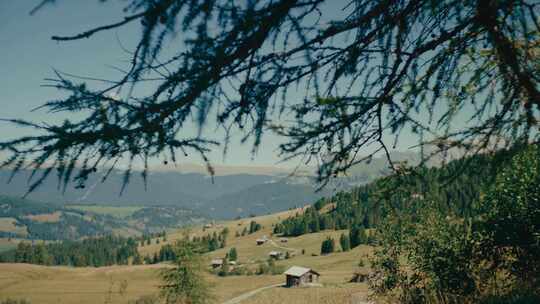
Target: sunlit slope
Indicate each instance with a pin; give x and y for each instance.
(41, 284)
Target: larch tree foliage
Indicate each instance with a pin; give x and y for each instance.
(184, 283)
(369, 70)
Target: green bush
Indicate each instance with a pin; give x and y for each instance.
(328, 246)
(427, 256)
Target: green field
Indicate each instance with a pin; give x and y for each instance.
(119, 212)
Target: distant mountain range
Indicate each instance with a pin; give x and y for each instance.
(235, 191)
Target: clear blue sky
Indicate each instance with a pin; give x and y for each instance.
(28, 56)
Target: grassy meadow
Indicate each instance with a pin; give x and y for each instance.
(119, 212)
(338, 294)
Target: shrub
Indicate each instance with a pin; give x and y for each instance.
(328, 246)
(233, 254)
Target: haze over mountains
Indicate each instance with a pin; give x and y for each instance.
(233, 192)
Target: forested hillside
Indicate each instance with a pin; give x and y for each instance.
(452, 188)
(22, 218)
(103, 251)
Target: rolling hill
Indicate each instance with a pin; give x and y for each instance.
(55, 284)
(223, 197)
(22, 218)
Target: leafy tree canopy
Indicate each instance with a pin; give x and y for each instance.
(369, 72)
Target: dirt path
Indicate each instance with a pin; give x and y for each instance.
(249, 294)
(360, 298)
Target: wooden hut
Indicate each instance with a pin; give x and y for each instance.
(297, 276)
(215, 263)
(278, 255)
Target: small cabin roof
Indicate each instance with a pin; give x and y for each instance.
(217, 261)
(297, 271)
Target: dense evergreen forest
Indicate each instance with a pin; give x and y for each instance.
(452, 188)
(204, 244)
(102, 251)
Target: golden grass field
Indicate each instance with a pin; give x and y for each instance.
(313, 295)
(41, 284)
(8, 224)
(120, 212)
(45, 217)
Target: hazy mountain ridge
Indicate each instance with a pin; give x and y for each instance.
(265, 199)
(220, 196)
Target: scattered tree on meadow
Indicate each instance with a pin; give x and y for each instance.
(328, 246)
(185, 282)
(344, 242)
(232, 255)
(225, 268)
(254, 227)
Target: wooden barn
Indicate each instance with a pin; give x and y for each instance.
(278, 255)
(299, 276)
